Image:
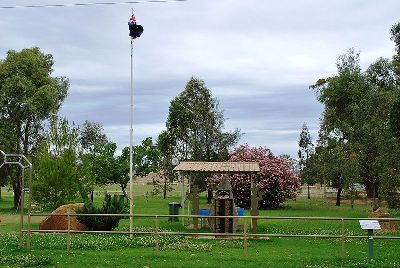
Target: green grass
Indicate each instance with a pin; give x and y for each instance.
(116, 251)
(177, 251)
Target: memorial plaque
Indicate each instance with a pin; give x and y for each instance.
(370, 224)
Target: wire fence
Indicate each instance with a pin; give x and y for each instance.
(246, 234)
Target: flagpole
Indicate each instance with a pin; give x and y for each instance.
(131, 149)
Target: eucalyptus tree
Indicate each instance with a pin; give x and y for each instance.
(306, 148)
(360, 114)
(195, 124)
(29, 95)
(165, 144)
(93, 141)
(92, 136)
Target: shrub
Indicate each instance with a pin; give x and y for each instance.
(55, 182)
(114, 205)
(393, 200)
(275, 179)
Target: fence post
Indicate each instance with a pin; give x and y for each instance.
(343, 240)
(28, 235)
(245, 238)
(69, 231)
(156, 238)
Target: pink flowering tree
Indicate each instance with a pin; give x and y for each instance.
(275, 179)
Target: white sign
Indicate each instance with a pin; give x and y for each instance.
(370, 224)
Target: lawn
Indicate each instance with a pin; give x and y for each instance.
(177, 251)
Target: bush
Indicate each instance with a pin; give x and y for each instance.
(275, 179)
(114, 205)
(55, 180)
(393, 200)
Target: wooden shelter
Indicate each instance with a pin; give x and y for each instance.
(187, 168)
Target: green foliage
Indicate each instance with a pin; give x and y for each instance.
(102, 166)
(359, 123)
(96, 160)
(306, 148)
(394, 119)
(393, 200)
(195, 126)
(29, 95)
(395, 37)
(55, 180)
(92, 137)
(114, 205)
(146, 157)
(165, 145)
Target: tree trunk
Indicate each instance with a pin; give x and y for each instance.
(352, 199)
(16, 182)
(91, 196)
(123, 186)
(369, 187)
(0, 192)
(26, 138)
(165, 188)
(209, 196)
(372, 189)
(82, 193)
(17, 193)
(308, 191)
(339, 192)
(375, 200)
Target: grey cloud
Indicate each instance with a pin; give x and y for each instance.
(258, 58)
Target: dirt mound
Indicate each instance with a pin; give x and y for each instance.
(54, 222)
(386, 225)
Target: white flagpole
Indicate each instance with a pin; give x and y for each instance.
(131, 149)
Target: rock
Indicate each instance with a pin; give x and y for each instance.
(54, 222)
(386, 225)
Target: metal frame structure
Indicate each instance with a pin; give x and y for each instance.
(23, 162)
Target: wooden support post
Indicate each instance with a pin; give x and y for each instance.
(251, 196)
(245, 238)
(256, 196)
(156, 237)
(183, 201)
(343, 240)
(69, 232)
(194, 198)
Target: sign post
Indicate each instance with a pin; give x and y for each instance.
(370, 225)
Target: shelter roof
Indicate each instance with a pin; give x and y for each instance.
(218, 167)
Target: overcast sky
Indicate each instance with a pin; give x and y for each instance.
(257, 57)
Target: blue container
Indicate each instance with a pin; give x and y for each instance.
(203, 212)
(240, 211)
